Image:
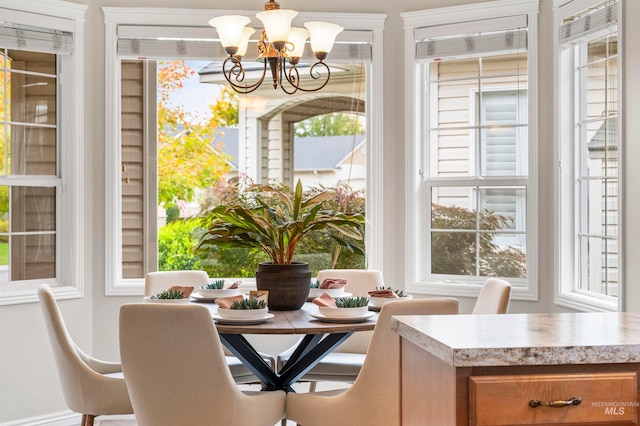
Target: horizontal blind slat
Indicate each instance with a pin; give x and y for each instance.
(455, 47)
(589, 24)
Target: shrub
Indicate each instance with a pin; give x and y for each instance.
(454, 253)
(175, 246)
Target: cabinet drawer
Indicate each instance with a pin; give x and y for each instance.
(606, 399)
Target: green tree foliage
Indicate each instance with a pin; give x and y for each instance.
(175, 246)
(224, 113)
(454, 253)
(188, 158)
(176, 251)
(332, 124)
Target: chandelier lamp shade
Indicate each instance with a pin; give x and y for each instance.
(280, 48)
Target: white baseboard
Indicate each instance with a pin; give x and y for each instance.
(65, 418)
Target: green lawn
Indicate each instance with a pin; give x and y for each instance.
(4, 253)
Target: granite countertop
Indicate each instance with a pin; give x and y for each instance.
(525, 339)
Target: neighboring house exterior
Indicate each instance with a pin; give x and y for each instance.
(318, 160)
(266, 140)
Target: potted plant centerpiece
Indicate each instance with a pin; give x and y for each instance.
(275, 220)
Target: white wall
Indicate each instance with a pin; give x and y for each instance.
(631, 200)
(29, 390)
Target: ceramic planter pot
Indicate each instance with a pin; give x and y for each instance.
(288, 285)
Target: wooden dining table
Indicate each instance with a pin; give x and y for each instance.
(319, 338)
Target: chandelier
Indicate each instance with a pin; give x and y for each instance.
(280, 48)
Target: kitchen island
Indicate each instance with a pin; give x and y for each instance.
(520, 369)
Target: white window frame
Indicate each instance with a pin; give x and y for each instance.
(115, 285)
(567, 268)
(60, 15)
(417, 161)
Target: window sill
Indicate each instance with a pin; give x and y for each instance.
(460, 289)
(585, 303)
(30, 294)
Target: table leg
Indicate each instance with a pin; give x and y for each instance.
(309, 356)
(306, 344)
(242, 349)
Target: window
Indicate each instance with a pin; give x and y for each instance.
(265, 148)
(590, 151)
(472, 192)
(39, 156)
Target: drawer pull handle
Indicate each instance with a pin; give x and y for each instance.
(555, 404)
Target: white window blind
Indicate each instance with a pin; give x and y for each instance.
(24, 37)
(495, 37)
(156, 42)
(593, 21)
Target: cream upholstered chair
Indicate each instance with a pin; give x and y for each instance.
(156, 282)
(89, 386)
(165, 392)
(374, 397)
(359, 281)
(493, 298)
(344, 363)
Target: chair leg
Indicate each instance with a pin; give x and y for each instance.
(83, 422)
(283, 422)
(88, 420)
(312, 387)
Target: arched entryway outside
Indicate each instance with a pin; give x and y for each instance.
(277, 151)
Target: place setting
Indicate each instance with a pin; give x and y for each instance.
(382, 295)
(342, 309)
(215, 290)
(174, 294)
(331, 286)
(241, 310)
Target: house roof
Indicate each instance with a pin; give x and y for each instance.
(229, 137)
(310, 153)
(323, 152)
(606, 136)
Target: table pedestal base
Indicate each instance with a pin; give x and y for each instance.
(311, 349)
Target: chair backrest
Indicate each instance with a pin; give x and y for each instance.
(359, 282)
(156, 340)
(156, 282)
(378, 384)
(72, 370)
(493, 298)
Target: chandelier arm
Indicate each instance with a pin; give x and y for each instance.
(237, 73)
(316, 76)
(292, 77)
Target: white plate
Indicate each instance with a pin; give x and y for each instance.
(244, 321)
(242, 313)
(215, 293)
(343, 312)
(379, 301)
(325, 318)
(200, 298)
(334, 292)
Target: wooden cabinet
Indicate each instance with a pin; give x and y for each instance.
(485, 370)
(553, 399)
(437, 394)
